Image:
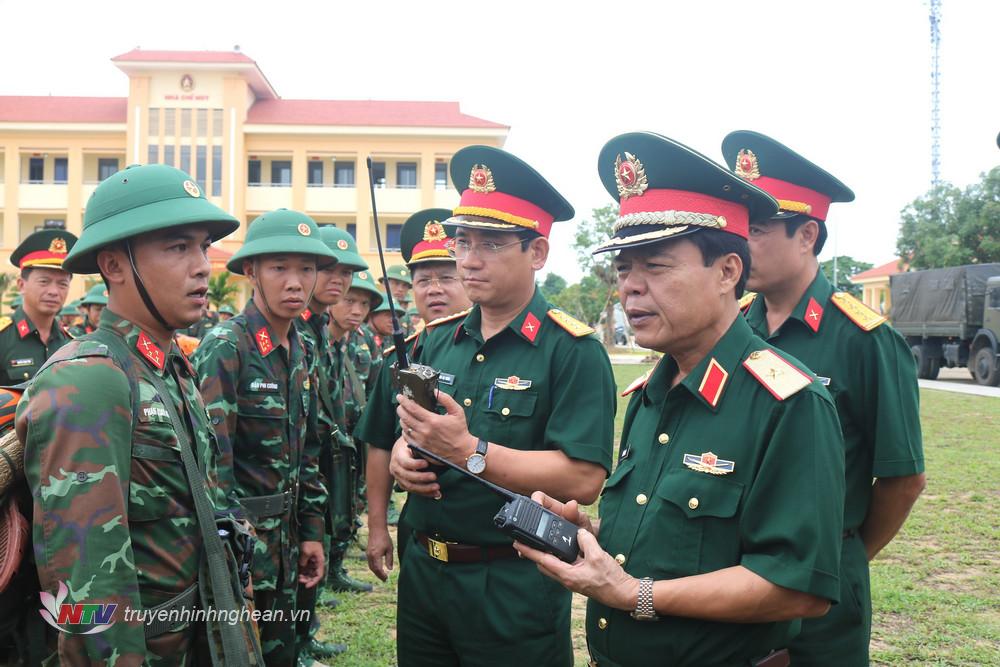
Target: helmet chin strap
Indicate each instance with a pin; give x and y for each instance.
(259, 289)
(143, 294)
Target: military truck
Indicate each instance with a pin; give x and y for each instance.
(951, 317)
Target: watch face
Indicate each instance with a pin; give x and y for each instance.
(476, 463)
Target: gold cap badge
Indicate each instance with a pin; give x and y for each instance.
(433, 231)
(746, 165)
(58, 246)
(630, 176)
(481, 179)
(192, 188)
(304, 229)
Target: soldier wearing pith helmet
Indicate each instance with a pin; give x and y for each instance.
(865, 364)
(722, 518)
(528, 397)
(33, 332)
(256, 382)
(94, 301)
(122, 463)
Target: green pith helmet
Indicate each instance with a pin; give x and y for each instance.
(68, 311)
(398, 272)
(46, 249)
(95, 296)
(280, 231)
(384, 308)
(344, 247)
(226, 309)
(363, 281)
(76, 303)
(141, 199)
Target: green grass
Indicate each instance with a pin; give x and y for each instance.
(934, 588)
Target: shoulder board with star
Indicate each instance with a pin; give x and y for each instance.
(779, 376)
(746, 300)
(392, 348)
(448, 318)
(857, 312)
(639, 382)
(575, 327)
(5, 322)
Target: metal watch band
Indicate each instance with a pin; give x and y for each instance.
(644, 610)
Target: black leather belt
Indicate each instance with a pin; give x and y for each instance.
(452, 552)
(263, 507)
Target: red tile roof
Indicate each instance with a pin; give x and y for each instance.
(141, 55)
(365, 112)
(887, 269)
(63, 109)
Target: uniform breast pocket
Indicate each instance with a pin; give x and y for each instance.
(157, 487)
(612, 494)
(509, 414)
(696, 514)
(260, 425)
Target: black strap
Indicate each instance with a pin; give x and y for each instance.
(356, 388)
(158, 619)
(262, 507)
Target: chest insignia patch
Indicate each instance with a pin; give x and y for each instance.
(17, 363)
(513, 382)
(155, 413)
(261, 385)
(710, 463)
(446, 378)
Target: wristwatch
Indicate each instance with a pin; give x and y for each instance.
(644, 610)
(476, 463)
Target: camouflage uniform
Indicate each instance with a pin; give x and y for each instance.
(114, 515)
(203, 326)
(259, 396)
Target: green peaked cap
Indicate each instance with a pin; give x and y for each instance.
(141, 199)
(280, 231)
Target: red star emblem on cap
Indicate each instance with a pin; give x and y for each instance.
(627, 173)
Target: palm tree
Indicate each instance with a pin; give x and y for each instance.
(220, 291)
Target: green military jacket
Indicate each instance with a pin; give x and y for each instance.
(738, 464)
(80, 330)
(203, 326)
(315, 336)
(362, 351)
(113, 517)
(869, 370)
(533, 386)
(259, 396)
(22, 351)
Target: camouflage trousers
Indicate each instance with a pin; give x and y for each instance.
(277, 625)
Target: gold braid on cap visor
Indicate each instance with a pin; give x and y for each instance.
(794, 206)
(496, 214)
(668, 218)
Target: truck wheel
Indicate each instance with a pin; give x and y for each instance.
(985, 367)
(927, 366)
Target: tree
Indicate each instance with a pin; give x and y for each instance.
(220, 291)
(8, 281)
(589, 234)
(584, 300)
(846, 267)
(950, 227)
(552, 285)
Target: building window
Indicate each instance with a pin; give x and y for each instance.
(36, 169)
(201, 155)
(153, 155)
(440, 175)
(185, 122)
(392, 233)
(315, 172)
(281, 172)
(106, 167)
(343, 174)
(406, 174)
(154, 122)
(53, 223)
(216, 122)
(217, 171)
(168, 155)
(378, 174)
(168, 121)
(202, 122)
(185, 159)
(253, 172)
(61, 170)
(352, 229)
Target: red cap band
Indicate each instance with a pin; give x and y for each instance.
(43, 258)
(505, 208)
(430, 250)
(737, 216)
(816, 204)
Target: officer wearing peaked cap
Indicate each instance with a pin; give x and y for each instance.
(128, 507)
(32, 333)
(528, 399)
(722, 518)
(864, 363)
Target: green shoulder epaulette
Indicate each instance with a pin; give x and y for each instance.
(575, 327)
(857, 312)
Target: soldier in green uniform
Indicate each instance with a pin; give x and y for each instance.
(437, 293)
(119, 454)
(722, 518)
(333, 280)
(226, 312)
(209, 319)
(94, 301)
(380, 326)
(32, 334)
(528, 399)
(256, 383)
(68, 315)
(866, 366)
(400, 282)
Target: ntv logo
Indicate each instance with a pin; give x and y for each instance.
(58, 613)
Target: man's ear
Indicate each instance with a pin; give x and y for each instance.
(113, 265)
(539, 250)
(250, 269)
(809, 235)
(730, 271)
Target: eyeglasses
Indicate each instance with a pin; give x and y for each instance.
(462, 248)
(444, 282)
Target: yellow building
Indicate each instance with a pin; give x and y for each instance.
(875, 284)
(216, 116)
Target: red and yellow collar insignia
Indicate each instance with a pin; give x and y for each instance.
(630, 176)
(433, 231)
(481, 179)
(713, 382)
(306, 315)
(150, 351)
(263, 339)
(746, 165)
(814, 314)
(530, 327)
(23, 328)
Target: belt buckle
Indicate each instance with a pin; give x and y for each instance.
(437, 550)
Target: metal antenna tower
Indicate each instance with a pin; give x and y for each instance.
(935, 18)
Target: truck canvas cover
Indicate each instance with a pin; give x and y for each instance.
(941, 296)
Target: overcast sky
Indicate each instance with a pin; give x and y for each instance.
(845, 83)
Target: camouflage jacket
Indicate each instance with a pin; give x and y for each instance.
(22, 351)
(357, 351)
(259, 397)
(113, 513)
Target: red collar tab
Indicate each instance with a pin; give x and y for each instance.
(530, 327)
(306, 315)
(263, 339)
(731, 217)
(150, 351)
(505, 208)
(795, 198)
(814, 314)
(23, 328)
(713, 382)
